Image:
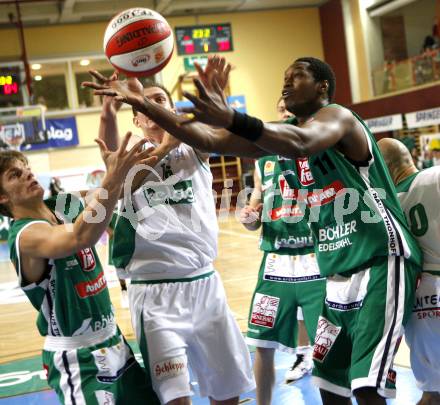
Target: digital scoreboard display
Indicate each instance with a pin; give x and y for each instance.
(199, 39)
(10, 91)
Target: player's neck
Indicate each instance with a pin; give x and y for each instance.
(405, 173)
(34, 209)
(311, 111)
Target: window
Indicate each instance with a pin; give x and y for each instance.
(49, 85)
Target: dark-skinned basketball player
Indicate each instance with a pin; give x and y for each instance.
(362, 241)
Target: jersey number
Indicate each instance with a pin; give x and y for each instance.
(418, 220)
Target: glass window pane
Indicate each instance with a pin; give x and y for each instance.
(80, 69)
(49, 85)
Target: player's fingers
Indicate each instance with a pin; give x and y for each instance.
(194, 99)
(149, 161)
(138, 147)
(201, 89)
(226, 73)
(124, 143)
(106, 92)
(143, 154)
(93, 85)
(98, 76)
(200, 71)
(102, 145)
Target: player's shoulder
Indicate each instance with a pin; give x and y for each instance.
(429, 176)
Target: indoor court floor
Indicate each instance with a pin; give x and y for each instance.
(21, 375)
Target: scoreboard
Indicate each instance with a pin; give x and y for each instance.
(200, 39)
(10, 91)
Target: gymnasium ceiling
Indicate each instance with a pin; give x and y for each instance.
(43, 12)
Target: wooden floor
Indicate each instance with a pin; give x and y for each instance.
(238, 262)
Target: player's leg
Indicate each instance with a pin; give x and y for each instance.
(310, 300)
(333, 340)
(217, 351)
(388, 298)
(272, 321)
(422, 334)
(264, 371)
(161, 315)
(103, 373)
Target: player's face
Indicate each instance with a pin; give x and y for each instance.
(19, 185)
(300, 91)
(283, 114)
(151, 129)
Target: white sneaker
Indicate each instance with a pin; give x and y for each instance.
(124, 299)
(300, 368)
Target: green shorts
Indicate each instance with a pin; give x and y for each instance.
(106, 373)
(360, 327)
(284, 284)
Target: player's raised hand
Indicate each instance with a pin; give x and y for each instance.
(216, 67)
(128, 91)
(210, 107)
(119, 162)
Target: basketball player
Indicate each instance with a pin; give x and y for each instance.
(85, 355)
(419, 194)
(362, 242)
(178, 304)
(288, 278)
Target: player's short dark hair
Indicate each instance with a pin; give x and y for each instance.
(7, 158)
(321, 71)
(160, 86)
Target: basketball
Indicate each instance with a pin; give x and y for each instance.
(138, 42)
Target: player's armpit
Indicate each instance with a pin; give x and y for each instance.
(45, 241)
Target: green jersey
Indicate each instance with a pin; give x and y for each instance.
(285, 229)
(72, 296)
(353, 209)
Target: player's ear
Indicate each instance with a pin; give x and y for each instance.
(4, 199)
(136, 121)
(323, 87)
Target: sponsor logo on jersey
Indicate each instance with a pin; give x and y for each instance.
(87, 259)
(304, 173)
(89, 288)
(339, 234)
(181, 193)
(293, 242)
(326, 334)
(264, 310)
(286, 192)
(170, 368)
(269, 168)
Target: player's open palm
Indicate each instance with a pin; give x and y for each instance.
(217, 68)
(119, 162)
(128, 91)
(210, 107)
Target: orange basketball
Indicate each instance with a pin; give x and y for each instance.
(138, 42)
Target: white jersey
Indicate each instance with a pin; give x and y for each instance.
(419, 195)
(175, 232)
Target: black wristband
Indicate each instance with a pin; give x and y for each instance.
(247, 127)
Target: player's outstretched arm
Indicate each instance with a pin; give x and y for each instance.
(250, 215)
(329, 126)
(42, 240)
(198, 135)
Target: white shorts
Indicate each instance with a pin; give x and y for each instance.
(189, 322)
(422, 333)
